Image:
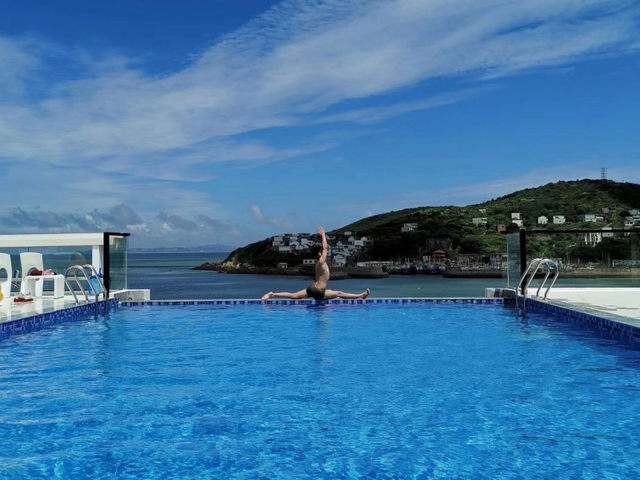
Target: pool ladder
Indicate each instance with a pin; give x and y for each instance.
(536, 265)
(76, 269)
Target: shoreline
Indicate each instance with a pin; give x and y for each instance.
(337, 273)
(342, 273)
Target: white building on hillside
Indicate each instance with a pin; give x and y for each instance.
(479, 221)
(409, 227)
(559, 219)
(284, 249)
(309, 261)
(517, 222)
(542, 220)
(339, 261)
(515, 216)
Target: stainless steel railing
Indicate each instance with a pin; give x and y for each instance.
(532, 269)
(82, 269)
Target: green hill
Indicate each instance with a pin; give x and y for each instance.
(451, 228)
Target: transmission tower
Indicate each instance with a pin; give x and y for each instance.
(603, 173)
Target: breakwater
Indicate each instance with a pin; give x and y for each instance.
(456, 272)
(588, 273)
(337, 273)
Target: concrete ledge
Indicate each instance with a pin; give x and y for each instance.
(135, 295)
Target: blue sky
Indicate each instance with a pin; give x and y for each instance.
(199, 122)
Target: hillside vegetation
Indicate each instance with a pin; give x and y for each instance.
(450, 228)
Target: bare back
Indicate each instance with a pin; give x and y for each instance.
(322, 274)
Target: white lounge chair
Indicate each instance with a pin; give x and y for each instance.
(32, 285)
(5, 285)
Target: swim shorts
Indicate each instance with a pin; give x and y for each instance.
(316, 293)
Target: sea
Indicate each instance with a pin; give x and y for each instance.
(169, 276)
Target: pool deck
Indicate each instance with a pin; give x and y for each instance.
(624, 302)
(10, 311)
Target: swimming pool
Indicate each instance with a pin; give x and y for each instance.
(329, 391)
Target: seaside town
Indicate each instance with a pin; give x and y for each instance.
(347, 249)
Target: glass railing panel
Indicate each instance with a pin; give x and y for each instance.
(57, 259)
(512, 269)
(118, 262)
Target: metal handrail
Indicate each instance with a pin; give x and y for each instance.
(82, 268)
(553, 282)
(96, 275)
(537, 263)
(75, 269)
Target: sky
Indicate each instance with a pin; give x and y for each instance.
(199, 122)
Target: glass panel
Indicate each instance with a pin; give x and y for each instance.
(594, 259)
(513, 259)
(118, 247)
(57, 259)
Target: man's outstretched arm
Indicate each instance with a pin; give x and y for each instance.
(323, 257)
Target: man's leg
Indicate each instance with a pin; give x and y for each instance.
(329, 294)
(294, 296)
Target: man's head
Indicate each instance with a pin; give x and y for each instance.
(317, 252)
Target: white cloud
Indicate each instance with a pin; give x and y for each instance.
(162, 228)
(80, 131)
(285, 68)
(262, 219)
(477, 192)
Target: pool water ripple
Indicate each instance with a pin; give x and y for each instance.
(404, 391)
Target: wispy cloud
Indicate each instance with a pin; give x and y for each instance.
(377, 114)
(286, 68)
(477, 192)
(160, 229)
(263, 219)
(110, 133)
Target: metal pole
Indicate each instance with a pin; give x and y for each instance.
(523, 253)
(107, 263)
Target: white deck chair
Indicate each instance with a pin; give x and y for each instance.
(5, 285)
(30, 261)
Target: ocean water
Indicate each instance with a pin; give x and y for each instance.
(334, 392)
(169, 276)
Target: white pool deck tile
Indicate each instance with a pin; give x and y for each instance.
(10, 311)
(619, 301)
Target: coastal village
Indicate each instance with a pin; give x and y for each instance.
(346, 249)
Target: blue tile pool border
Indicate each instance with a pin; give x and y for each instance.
(616, 326)
(612, 325)
(368, 301)
(44, 320)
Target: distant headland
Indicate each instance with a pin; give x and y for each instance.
(213, 248)
(466, 239)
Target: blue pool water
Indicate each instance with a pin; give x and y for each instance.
(293, 392)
